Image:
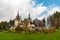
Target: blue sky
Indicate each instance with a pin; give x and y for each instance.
(47, 2)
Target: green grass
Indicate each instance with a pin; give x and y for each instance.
(32, 36)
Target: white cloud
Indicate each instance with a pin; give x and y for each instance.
(38, 10)
(9, 8)
(53, 10)
(50, 11)
(40, 18)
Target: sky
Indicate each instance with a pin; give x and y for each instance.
(36, 8)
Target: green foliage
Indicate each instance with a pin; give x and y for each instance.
(43, 22)
(25, 22)
(54, 19)
(2, 25)
(11, 22)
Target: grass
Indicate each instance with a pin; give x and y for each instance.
(5, 35)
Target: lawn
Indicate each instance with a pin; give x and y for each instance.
(30, 36)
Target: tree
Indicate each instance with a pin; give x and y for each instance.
(43, 22)
(2, 25)
(57, 18)
(51, 20)
(11, 22)
(26, 22)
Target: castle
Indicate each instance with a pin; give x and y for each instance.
(27, 23)
(32, 25)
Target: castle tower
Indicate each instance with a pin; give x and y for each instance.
(17, 20)
(29, 20)
(18, 17)
(29, 17)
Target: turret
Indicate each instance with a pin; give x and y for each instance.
(29, 17)
(18, 17)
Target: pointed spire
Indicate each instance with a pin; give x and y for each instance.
(18, 17)
(18, 14)
(29, 14)
(29, 17)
